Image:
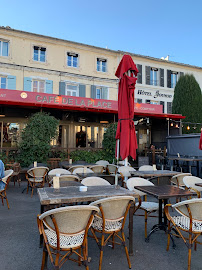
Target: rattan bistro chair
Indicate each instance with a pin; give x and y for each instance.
(190, 182)
(112, 169)
(125, 173)
(5, 179)
(146, 168)
(188, 221)
(95, 181)
(147, 207)
(55, 171)
(110, 221)
(102, 162)
(64, 232)
(97, 168)
(71, 169)
(36, 178)
(177, 180)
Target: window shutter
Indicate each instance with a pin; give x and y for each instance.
(11, 82)
(139, 75)
(148, 75)
(49, 86)
(169, 107)
(62, 88)
(161, 77)
(27, 84)
(104, 93)
(93, 91)
(169, 78)
(181, 74)
(82, 90)
(162, 103)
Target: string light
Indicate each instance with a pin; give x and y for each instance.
(171, 124)
(188, 127)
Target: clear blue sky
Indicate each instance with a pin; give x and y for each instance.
(154, 28)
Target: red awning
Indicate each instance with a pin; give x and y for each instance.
(32, 99)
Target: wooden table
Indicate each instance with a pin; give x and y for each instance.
(188, 159)
(51, 198)
(163, 193)
(154, 174)
(70, 183)
(67, 165)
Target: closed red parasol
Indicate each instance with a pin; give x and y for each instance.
(126, 130)
(200, 142)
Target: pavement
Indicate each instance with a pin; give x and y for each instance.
(19, 248)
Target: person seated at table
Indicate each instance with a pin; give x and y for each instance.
(2, 174)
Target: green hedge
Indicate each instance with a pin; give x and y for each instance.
(90, 156)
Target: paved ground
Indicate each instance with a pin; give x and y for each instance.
(19, 248)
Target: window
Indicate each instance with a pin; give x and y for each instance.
(173, 79)
(72, 60)
(101, 65)
(3, 81)
(71, 89)
(98, 93)
(3, 48)
(147, 101)
(153, 76)
(138, 100)
(39, 86)
(39, 54)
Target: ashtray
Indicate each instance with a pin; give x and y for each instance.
(83, 188)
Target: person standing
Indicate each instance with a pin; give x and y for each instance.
(2, 174)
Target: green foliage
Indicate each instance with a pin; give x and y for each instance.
(89, 156)
(187, 101)
(36, 136)
(109, 141)
(3, 157)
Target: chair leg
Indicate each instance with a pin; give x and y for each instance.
(145, 224)
(126, 250)
(32, 192)
(85, 257)
(168, 240)
(101, 251)
(189, 252)
(7, 201)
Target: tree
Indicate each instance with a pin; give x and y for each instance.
(109, 141)
(188, 101)
(36, 137)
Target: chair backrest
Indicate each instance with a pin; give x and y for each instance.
(97, 168)
(102, 162)
(69, 177)
(95, 181)
(125, 170)
(38, 171)
(7, 174)
(122, 162)
(146, 168)
(16, 167)
(70, 219)
(178, 179)
(82, 170)
(190, 182)
(58, 171)
(138, 181)
(114, 208)
(195, 205)
(111, 168)
(71, 169)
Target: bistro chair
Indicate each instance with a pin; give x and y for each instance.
(177, 180)
(64, 232)
(71, 169)
(146, 168)
(125, 173)
(147, 207)
(82, 170)
(55, 171)
(122, 163)
(112, 169)
(188, 220)
(102, 162)
(16, 172)
(190, 183)
(97, 168)
(5, 179)
(110, 221)
(95, 181)
(36, 178)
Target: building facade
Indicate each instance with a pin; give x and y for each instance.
(47, 66)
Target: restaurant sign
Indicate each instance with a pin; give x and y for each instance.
(25, 98)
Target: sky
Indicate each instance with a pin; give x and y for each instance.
(155, 28)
